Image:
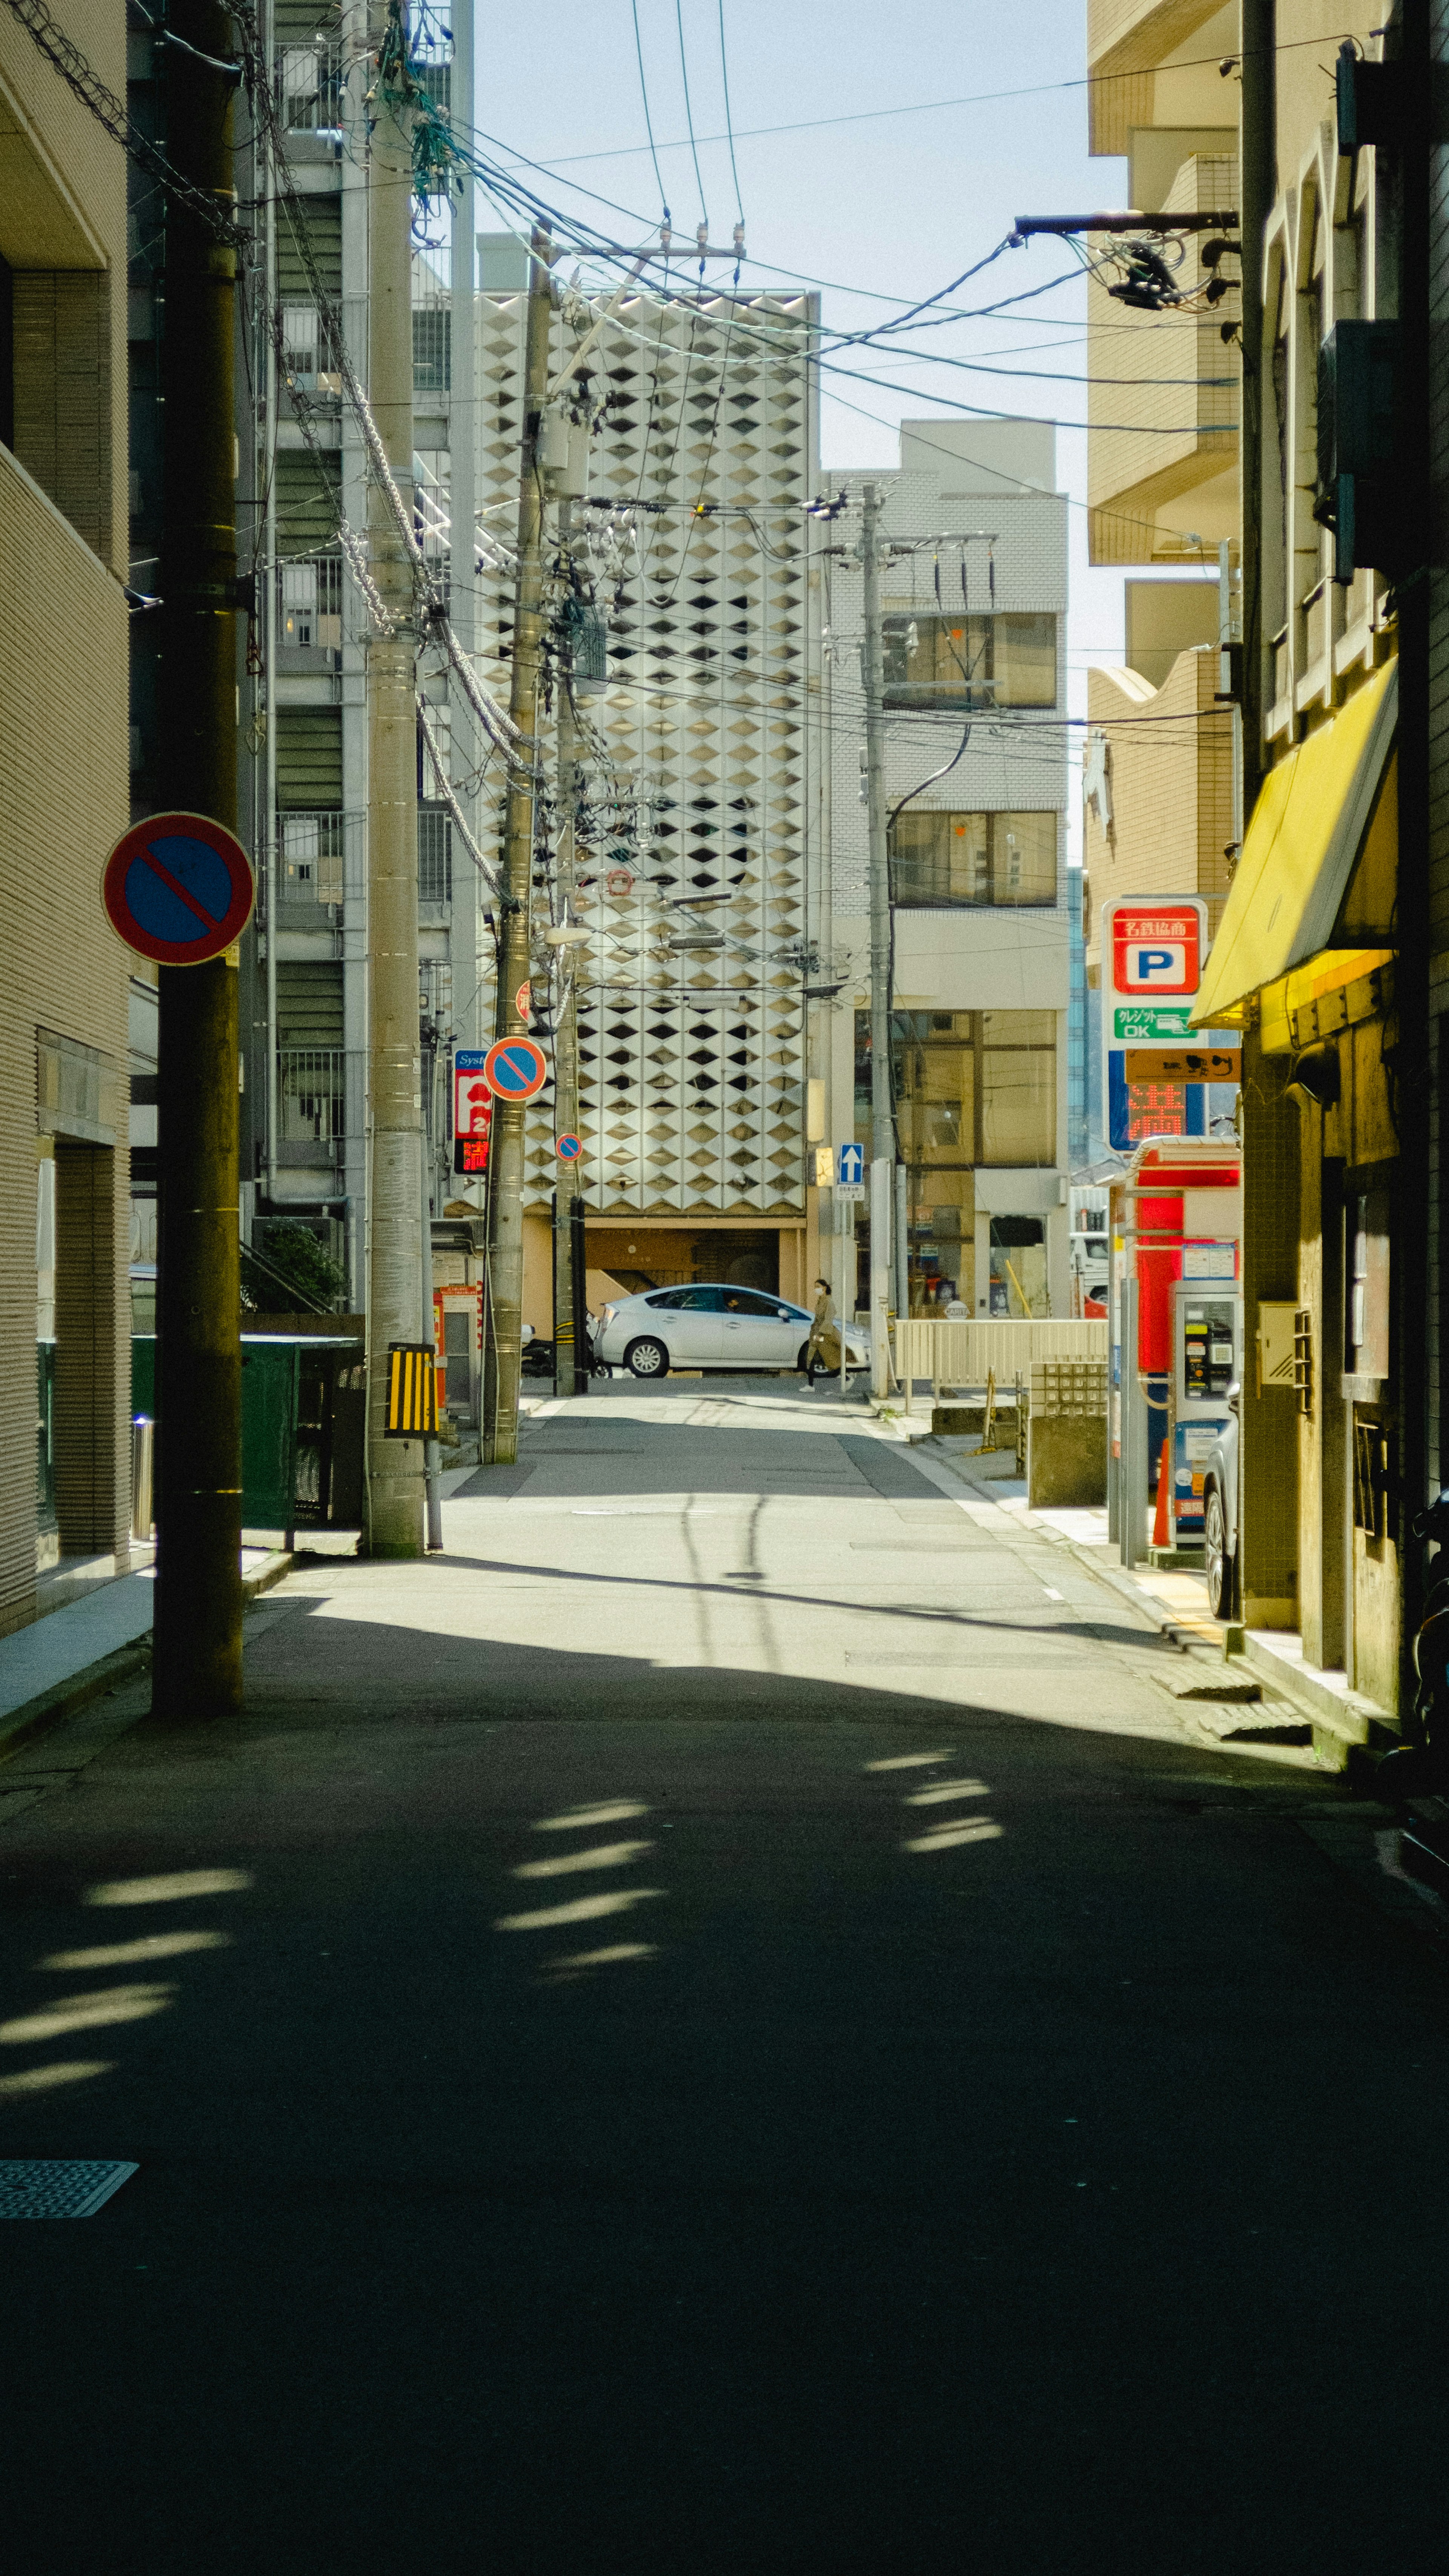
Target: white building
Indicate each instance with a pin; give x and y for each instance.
(974, 594)
(698, 842)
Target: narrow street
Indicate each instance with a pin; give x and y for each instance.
(731, 2020)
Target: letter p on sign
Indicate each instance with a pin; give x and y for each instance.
(1156, 949)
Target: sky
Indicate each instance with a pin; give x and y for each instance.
(876, 205)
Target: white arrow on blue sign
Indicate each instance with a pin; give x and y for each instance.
(849, 1165)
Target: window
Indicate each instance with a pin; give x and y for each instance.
(941, 859)
(689, 1301)
(967, 661)
(1018, 1087)
(971, 1087)
(748, 1301)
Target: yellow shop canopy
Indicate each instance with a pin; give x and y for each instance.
(1307, 830)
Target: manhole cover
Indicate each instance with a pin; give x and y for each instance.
(55, 2189)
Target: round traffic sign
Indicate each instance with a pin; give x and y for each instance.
(178, 888)
(568, 1148)
(515, 1068)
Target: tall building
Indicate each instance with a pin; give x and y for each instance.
(64, 1009)
(695, 800)
(974, 597)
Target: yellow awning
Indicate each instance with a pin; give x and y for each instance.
(1306, 833)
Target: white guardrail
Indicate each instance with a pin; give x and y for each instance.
(964, 1354)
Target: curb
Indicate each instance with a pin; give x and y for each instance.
(123, 1664)
(49, 1706)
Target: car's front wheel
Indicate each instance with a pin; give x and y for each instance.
(1217, 1562)
(647, 1358)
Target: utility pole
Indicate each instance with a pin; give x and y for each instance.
(1258, 36)
(882, 1124)
(394, 1484)
(567, 1322)
(503, 1307)
(197, 1660)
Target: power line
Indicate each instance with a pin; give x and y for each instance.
(930, 106)
(729, 121)
(689, 121)
(648, 120)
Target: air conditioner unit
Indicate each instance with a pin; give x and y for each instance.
(1359, 486)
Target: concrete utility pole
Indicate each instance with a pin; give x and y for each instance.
(503, 1305)
(394, 1497)
(197, 1666)
(567, 1323)
(882, 1125)
(1258, 35)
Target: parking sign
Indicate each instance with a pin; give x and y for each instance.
(1153, 951)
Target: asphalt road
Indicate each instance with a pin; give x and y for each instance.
(728, 2022)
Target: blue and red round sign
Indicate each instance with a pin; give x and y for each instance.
(515, 1068)
(568, 1148)
(178, 889)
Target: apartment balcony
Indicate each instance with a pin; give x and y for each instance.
(320, 1103)
(1163, 405)
(1137, 82)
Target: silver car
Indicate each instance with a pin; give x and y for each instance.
(707, 1326)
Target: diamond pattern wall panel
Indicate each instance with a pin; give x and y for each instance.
(691, 1059)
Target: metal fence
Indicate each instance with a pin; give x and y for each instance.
(435, 854)
(310, 849)
(312, 1118)
(309, 87)
(309, 602)
(965, 1354)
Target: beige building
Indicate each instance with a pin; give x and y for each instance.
(64, 1211)
(1162, 464)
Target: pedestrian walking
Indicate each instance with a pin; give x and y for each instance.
(824, 1343)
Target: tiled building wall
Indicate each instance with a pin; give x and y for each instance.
(62, 697)
(1170, 778)
(691, 1069)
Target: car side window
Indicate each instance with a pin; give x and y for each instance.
(748, 1301)
(699, 1301)
(669, 1298)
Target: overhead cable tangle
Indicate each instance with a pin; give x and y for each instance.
(445, 791)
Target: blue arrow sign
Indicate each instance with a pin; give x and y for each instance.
(849, 1165)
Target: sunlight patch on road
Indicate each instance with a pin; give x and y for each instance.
(584, 1909)
(134, 1954)
(940, 1790)
(578, 1963)
(44, 2079)
(603, 1856)
(909, 1761)
(87, 2012)
(166, 1890)
(609, 1811)
(946, 1837)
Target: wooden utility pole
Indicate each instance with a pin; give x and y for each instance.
(197, 1667)
(503, 1305)
(394, 1500)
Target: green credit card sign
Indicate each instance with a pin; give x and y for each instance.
(1154, 1023)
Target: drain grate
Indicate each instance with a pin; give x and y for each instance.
(58, 2189)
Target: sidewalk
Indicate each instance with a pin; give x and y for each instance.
(61, 1661)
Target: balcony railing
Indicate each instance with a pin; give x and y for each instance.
(309, 88)
(309, 603)
(312, 1104)
(310, 855)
